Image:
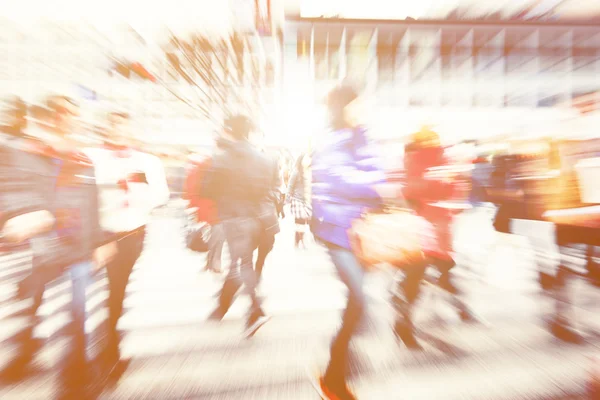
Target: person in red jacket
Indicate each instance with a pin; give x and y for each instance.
(206, 210)
(425, 189)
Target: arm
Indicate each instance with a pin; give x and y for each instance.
(23, 205)
(157, 180)
(211, 181)
(104, 243)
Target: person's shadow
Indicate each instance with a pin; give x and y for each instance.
(20, 367)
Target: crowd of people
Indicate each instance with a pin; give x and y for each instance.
(79, 209)
(82, 208)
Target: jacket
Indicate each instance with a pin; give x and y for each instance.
(239, 181)
(206, 208)
(344, 171)
(418, 188)
(421, 192)
(21, 184)
(34, 177)
(131, 185)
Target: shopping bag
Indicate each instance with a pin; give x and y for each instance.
(395, 237)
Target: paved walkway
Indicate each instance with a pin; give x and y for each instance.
(176, 354)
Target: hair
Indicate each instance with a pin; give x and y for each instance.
(425, 137)
(337, 100)
(239, 126)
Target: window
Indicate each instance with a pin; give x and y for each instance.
(321, 68)
(303, 44)
(386, 60)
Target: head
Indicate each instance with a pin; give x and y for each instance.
(119, 131)
(55, 122)
(238, 127)
(14, 116)
(63, 112)
(338, 106)
(425, 138)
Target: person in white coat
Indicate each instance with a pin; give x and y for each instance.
(132, 184)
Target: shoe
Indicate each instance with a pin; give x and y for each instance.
(254, 324)
(329, 392)
(467, 316)
(464, 312)
(217, 315)
(108, 358)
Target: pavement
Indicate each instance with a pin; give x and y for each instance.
(177, 354)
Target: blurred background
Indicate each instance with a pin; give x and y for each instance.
(496, 80)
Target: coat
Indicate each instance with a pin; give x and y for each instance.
(344, 172)
(239, 181)
(33, 177)
(421, 193)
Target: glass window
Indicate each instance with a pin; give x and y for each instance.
(321, 68)
(334, 63)
(386, 60)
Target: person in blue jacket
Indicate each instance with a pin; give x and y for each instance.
(345, 174)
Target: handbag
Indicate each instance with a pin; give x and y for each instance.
(397, 237)
(198, 237)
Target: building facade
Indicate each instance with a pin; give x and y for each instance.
(469, 79)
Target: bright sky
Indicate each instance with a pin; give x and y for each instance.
(373, 9)
(400, 9)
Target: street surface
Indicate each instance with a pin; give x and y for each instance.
(176, 354)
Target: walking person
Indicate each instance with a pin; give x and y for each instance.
(345, 173)
(239, 181)
(299, 198)
(423, 192)
(60, 180)
(132, 184)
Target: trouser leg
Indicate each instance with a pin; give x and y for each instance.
(119, 270)
(267, 241)
(352, 275)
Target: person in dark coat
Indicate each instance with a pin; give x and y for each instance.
(58, 179)
(240, 181)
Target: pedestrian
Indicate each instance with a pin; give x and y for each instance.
(299, 198)
(132, 184)
(345, 173)
(239, 181)
(62, 179)
(423, 192)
